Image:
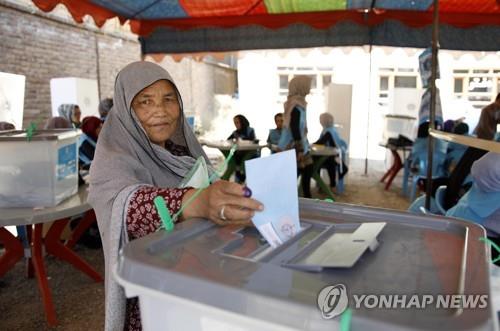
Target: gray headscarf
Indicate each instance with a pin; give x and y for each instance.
(486, 172)
(125, 159)
(66, 110)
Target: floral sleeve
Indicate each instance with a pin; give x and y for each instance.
(142, 217)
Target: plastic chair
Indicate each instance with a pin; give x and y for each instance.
(422, 174)
(439, 197)
(340, 181)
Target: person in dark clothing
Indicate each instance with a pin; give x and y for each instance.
(243, 132)
(91, 126)
(485, 129)
(294, 133)
(243, 129)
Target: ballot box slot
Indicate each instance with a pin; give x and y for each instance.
(340, 246)
(249, 244)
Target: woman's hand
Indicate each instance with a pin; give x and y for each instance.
(223, 202)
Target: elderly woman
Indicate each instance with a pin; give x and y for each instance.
(72, 113)
(145, 149)
(294, 133)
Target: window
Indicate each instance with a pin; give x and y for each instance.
(459, 85)
(478, 86)
(327, 79)
(405, 81)
(321, 77)
(390, 78)
(283, 81)
(384, 83)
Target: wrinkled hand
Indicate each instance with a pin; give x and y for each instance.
(238, 208)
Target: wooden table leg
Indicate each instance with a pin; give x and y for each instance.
(88, 219)
(55, 247)
(396, 166)
(41, 275)
(13, 251)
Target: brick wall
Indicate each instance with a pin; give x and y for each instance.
(42, 48)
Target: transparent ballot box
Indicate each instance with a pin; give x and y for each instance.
(40, 172)
(372, 261)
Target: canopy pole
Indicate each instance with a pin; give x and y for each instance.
(432, 113)
(369, 108)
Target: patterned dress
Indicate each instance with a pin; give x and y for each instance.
(142, 219)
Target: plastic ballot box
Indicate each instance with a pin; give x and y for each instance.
(392, 270)
(40, 171)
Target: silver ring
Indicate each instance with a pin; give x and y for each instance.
(221, 213)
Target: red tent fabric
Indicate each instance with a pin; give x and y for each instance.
(234, 13)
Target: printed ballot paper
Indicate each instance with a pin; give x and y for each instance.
(273, 181)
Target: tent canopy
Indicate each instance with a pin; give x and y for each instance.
(178, 26)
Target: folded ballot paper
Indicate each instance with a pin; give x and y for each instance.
(273, 181)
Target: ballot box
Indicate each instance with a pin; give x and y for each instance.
(40, 171)
(393, 271)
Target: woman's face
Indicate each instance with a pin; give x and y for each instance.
(76, 115)
(279, 122)
(237, 123)
(158, 110)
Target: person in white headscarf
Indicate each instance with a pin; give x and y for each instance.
(145, 149)
(294, 134)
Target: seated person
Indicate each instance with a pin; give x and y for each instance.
(275, 134)
(243, 132)
(418, 158)
(58, 122)
(330, 137)
(455, 150)
(481, 204)
(485, 129)
(72, 113)
(243, 129)
(5, 126)
(91, 126)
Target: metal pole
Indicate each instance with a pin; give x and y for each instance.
(432, 113)
(369, 109)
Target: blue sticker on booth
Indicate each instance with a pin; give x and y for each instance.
(66, 161)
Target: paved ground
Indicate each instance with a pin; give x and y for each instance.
(80, 302)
